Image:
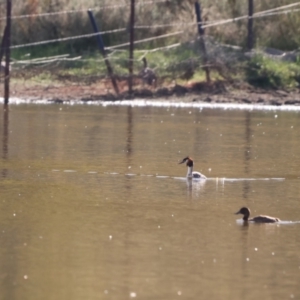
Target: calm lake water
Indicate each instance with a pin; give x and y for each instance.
(94, 204)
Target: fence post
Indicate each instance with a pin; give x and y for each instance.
(131, 46)
(250, 24)
(202, 42)
(103, 52)
(7, 52)
(2, 49)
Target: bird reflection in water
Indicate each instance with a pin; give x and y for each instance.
(195, 187)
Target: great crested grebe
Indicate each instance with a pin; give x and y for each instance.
(190, 173)
(259, 219)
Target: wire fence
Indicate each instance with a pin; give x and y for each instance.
(172, 49)
(286, 9)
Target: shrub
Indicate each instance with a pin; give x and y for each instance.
(267, 73)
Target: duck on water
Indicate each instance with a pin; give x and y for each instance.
(258, 219)
(190, 174)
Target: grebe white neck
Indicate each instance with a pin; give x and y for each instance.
(189, 172)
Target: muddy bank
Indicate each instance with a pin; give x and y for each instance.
(216, 92)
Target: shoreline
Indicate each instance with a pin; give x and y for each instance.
(195, 92)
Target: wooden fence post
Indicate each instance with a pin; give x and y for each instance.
(2, 49)
(202, 42)
(7, 52)
(103, 52)
(131, 46)
(250, 24)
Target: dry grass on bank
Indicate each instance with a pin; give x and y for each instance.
(278, 31)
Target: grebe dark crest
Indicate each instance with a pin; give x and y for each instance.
(190, 174)
(258, 219)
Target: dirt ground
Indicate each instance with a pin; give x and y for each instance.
(215, 92)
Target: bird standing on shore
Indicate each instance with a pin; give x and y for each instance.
(148, 75)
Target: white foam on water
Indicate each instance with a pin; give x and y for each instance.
(241, 222)
(225, 106)
(222, 179)
(247, 179)
(229, 179)
(164, 103)
(288, 222)
(180, 178)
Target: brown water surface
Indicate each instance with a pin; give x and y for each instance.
(93, 203)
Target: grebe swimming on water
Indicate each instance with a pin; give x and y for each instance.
(190, 174)
(259, 219)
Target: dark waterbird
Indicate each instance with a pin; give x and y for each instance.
(258, 219)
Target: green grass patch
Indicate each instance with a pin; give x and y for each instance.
(169, 65)
(267, 73)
